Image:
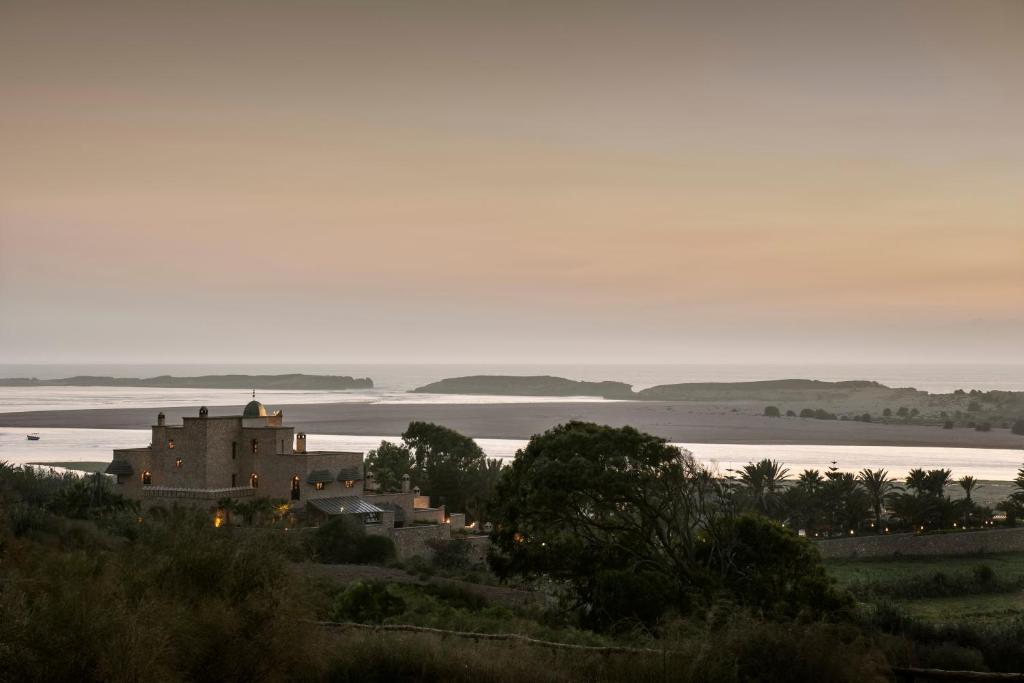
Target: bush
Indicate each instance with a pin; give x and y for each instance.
(1018, 427)
(790, 413)
(450, 555)
(342, 540)
(772, 411)
(366, 602)
(948, 424)
(983, 427)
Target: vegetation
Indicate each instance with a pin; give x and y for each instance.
(447, 466)
(634, 527)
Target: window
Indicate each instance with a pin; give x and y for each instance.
(234, 480)
(254, 481)
(255, 446)
(295, 488)
(170, 444)
(319, 486)
(349, 483)
(234, 450)
(282, 445)
(177, 463)
(147, 478)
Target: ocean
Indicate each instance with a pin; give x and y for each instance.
(393, 381)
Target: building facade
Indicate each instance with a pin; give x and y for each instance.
(207, 459)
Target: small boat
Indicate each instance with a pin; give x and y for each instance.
(34, 436)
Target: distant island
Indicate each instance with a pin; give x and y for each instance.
(539, 385)
(293, 381)
(546, 385)
(859, 400)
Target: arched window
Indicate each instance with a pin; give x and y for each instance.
(177, 463)
(254, 481)
(255, 446)
(170, 444)
(147, 478)
(295, 488)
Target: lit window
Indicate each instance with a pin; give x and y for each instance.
(319, 486)
(177, 463)
(255, 446)
(349, 483)
(295, 488)
(170, 444)
(254, 481)
(147, 478)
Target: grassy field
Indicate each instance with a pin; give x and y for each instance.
(989, 608)
(1006, 565)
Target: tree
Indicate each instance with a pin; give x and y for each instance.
(447, 464)
(588, 506)
(887, 412)
(389, 462)
(761, 483)
(903, 411)
(582, 500)
(881, 489)
(772, 411)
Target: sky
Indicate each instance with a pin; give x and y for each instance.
(331, 181)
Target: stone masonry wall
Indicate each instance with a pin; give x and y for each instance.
(412, 540)
(961, 543)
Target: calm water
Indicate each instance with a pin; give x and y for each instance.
(58, 445)
(393, 382)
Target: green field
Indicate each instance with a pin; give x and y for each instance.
(975, 608)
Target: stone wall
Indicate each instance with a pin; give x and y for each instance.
(413, 540)
(959, 543)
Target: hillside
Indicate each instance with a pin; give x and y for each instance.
(293, 381)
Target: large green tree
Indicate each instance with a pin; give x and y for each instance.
(589, 505)
(450, 467)
(389, 462)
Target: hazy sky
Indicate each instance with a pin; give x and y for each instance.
(332, 181)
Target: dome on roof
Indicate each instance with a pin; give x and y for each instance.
(254, 409)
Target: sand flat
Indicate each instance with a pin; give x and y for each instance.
(676, 421)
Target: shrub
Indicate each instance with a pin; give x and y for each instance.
(342, 540)
(1018, 427)
(366, 602)
(772, 411)
(450, 555)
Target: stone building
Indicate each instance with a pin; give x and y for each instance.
(206, 459)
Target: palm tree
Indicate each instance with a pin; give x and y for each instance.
(762, 480)
(968, 484)
(881, 488)
(810, 480)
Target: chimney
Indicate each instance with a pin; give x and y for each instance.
(406, 483)
(203, 412)
(370, 483)
(161, 420)
(300, 443)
